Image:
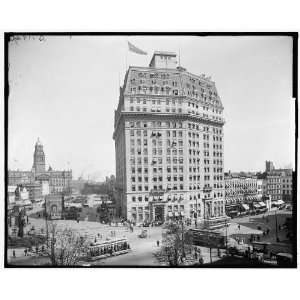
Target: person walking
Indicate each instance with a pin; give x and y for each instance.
(201, 261)
(14, 254)
(157, 243)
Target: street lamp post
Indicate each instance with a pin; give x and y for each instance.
(226, 234)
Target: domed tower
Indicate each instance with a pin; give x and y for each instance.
(38, 158)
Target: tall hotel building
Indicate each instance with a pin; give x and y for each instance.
(169, 139)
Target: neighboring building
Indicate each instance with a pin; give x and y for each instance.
(260, 188)
(240, 188)
(287, 186)
(51, 181)
(11, 192)
(169, 144)
(20, 177)
(278, 185)
(34, 190)
(269, 166)
(274, 185)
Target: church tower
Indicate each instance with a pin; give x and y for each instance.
(39, 158)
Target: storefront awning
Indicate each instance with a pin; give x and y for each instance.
(182, 213)
(170, 214)
(245, 206)
(262, 204)
(176, 214)
(256, 205)
(280, 202)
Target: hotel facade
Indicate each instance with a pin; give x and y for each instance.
(169, 144)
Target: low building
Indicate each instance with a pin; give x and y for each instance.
(287, 186)
(240, 188)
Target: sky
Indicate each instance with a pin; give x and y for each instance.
(64, 90)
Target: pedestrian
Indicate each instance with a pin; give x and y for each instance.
(258, 237)
(239, 226)
(157, 243)
(201, 260)
(27, 220)
(14, 253)
(268, 231)
(25, 252)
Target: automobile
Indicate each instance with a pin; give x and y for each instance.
(288, 207)
(240, 250)
(158, 223)
(143, 234)
(284, 259)
(146, 224)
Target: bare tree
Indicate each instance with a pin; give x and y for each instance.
(176, 244)
(65, 247)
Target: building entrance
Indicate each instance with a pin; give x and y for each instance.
(159, 213)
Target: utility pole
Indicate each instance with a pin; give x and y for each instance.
(46, 220)
(277, 238)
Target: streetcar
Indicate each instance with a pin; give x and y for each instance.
(103, 249)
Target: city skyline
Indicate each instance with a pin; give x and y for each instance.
(64, 83)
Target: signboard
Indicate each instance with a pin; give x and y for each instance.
(157, 192)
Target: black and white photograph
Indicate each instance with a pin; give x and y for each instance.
(162, 150)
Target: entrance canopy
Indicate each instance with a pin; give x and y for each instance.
(245, 206)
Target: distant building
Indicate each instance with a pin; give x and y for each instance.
(50, 181)
(269, 166)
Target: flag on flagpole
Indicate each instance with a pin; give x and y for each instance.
(136, 50)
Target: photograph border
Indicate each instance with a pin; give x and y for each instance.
(293, 35)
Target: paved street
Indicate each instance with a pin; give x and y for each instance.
(142, 250)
